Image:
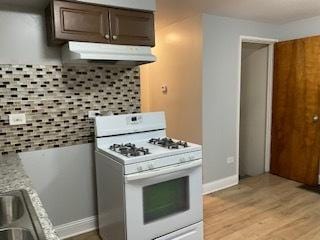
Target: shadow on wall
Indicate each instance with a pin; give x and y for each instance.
(65, 181)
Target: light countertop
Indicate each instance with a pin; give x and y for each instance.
(13, 177)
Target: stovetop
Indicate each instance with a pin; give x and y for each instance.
(136, 138)
(168, 143)
(131, 150)
(142, 147)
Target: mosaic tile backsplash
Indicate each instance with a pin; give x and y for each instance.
(56, 101)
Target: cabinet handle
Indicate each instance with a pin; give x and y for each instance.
(107, 36)
(315, 118)
(115, 37)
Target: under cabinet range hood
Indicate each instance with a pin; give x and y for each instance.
(84, 52)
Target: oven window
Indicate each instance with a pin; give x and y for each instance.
(165, 199)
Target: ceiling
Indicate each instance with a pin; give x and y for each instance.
(268, 11)
(169, 11)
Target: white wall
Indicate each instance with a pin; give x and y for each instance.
(254, 78)
(221, 88)
(23, 39)
(299, 29)
(65, 181)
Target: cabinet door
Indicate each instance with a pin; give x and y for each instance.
(131, 27)
(80, 22)
(296, 107)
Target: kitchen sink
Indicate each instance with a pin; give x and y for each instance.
(18, 219)
(16, 234)
(11, 209)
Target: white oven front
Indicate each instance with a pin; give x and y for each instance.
(163, 201)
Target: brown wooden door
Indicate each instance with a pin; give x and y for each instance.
(131, 27)
(80, 22)
(295, 128)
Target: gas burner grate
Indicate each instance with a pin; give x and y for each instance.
(168, 143)
(129, 150)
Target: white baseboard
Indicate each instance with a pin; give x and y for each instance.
(77, 227)
(220, 184)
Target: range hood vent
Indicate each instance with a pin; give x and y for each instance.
(83, 52)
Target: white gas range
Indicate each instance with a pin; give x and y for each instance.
(149, 186)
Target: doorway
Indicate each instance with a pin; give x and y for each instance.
(255, 98)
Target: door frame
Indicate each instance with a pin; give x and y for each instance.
(270, 42)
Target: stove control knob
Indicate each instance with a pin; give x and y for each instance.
(151, 166)
(182, 160)
(140, 169)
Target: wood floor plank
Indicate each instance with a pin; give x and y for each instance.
(266, 207)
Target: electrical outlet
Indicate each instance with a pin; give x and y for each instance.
(93, 114)
(230, 160)
(17, 119)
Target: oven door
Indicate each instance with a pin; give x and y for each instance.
(163, 200)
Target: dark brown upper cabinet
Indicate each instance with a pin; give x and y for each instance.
(132, 27)
(72, 21)
(69, 21)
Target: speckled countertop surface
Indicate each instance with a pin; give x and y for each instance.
(13, 177)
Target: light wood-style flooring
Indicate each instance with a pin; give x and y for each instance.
(266, 207)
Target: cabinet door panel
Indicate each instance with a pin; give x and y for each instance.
(80, 22)
(132, 27)
(296, 102)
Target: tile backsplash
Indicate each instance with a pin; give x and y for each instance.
(56, 101)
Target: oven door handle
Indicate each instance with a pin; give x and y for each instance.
(164, 171)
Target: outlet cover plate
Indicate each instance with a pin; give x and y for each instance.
(17, 119)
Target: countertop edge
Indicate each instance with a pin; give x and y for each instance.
(12, 178)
